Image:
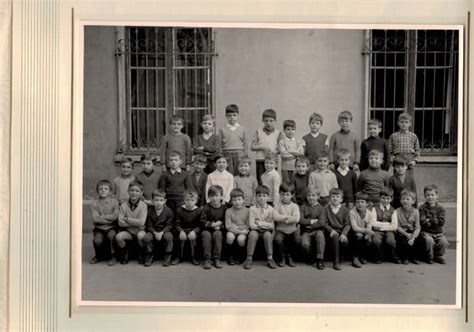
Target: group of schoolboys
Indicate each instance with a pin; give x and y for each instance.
(333, 190)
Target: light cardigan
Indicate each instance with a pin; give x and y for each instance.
(292, 211)
(362, 225)
(223, 179)
(135, 219)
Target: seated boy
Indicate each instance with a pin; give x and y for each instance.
(312, 224)
(361, 224)
(174, 181)
(401, 180)
(245, 181)
(220, 177)
(408, 219)
(159, 223)
(104, 216)
(373, 179)
(131, 221)
(198, 178)
(323, 179)
(262, 219)
(212, 225)
(237, 225)
(290, 148)
(432, 219)
(149, 177)
(384, 227)
(300, 179)
(287, 234)
(271, 178)
(346, 177)
(374, 142)
(337, 224)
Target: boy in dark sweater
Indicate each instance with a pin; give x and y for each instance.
(198, 178)
(159, 223)
(401, 180)
(315, 142)
(177, 141)
(208, 144)
(344, 139)
(174, 181)
(337, 224)
(300, 179)
(187, 225)
(312, 221)
(149, 177)
(374, 142)
(373, 179)
(346, 177)
(212, 224)
(432, 219)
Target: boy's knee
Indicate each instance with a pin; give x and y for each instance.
(217, 235)
(148, 238)
(141, 235)
(267, 236)
(98, 240)
(168, 237)
(428, 240)
(241, 240)
(111, 235)
(359, 236)
(229, 238)
(253, 235)
(443, 242)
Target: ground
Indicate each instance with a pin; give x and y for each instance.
(384, 283)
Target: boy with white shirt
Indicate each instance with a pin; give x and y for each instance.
(315, 142)
(220, 177)
(323, 179)
(290, 148)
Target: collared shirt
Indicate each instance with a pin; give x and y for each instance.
(407, 142)
(132, 205)
(232, 127)
(384, 208)
(343, 171)
(173, 171)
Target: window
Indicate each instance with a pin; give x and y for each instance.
(162, 72)
(415, 71)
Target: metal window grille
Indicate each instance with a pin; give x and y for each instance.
(415, 71)
(168, 72)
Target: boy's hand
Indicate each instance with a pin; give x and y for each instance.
(411, 241)
(332, 234)
(158, 236)
(355, 167)
(343, 238)
(182, 236)
(192, 236)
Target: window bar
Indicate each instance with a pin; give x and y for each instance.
(424, 93)
(385, 75)
(450, 95)
(395, 72)
(195, 117)
(185, 92)
(433, 105)
(157, 96)
(375, 77)
(129, 101)
(147, 112)
(443, 101)
(137, 94)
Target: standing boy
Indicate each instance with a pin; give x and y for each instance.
(198, 178)
(323, 179)
(271, 178)
(345, 139)
(234, 139)
(174, 181)
(148, 177)
(374, 142)
(315, 142)
(266, 140)
(220, 177)
(401, 180)
(237, 225)
(346, 177)
(122, 182)
(245, 181)
(300, 179)
(373, 179)
(176, 141)
(208, 143)
(290, 149)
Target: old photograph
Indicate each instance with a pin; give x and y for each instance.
(271, 165)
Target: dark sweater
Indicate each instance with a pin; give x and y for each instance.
(314, 146)
(339, 222)
(301, 183)
(199, 186)
(374, 143)
(212, 146)
(384, 216)
(432, 218)
(188, 220)
(397, 187)
(348, 184)
(211, 214)
(162, 223)
(149, 181)
(308, 212)
(371, 181)
(174, 184)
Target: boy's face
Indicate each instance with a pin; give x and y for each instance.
(285, 197)
(315, 125)
(407, 201)
(345, 124)
(290, 131)
(375, 161)
(176, 126)
(207, 126)
(361, 204)
(103, 190)
(385, 200)
(312, 198)
(135, 193)
(262, 199)
(344, 161)
(190, 202)
(244, 168)
(199, 166)
(221, 164)
(335, 199)
(174, 162)
(400, 169)
(147, 165)
(158, 202)
(126, 169)
(374, 130)
(270, 164)
(431, 197)
(301, 168)
(232, 118)
(237, 202)
(323, 163)
(216, 199)
(268, 123)
(404, 124)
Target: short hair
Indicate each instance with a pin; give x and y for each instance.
(245, 159)
(430, 187)
(323, 154)
(336, 191)
(236, 192)
(375, 122)
(375, 152)
(220, 156)
(361, 196)
(158, 193)
(262, 190)
(343, 152)
(176, 118)
(215, 190)
(126, 160)
(386, 191)
(200, 158)
(270, 156)
(175, 154)
(135, 184)
(289, 123)
(407, 192)
(208, 117)
(287, 187)
(232, 108)
(316, 117)
(302, 160)
(344, 115)
(147, 157)
(400, 159)
(103, 182)
(190, 193)
(404, 116)
(269, 113)
(312, 190)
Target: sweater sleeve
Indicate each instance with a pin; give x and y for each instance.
(149, 223)
(229, 225)
(252, 219)
(439, 218)
(140, 220)
(416, 147)
(121, 221)
(284, 151)
(356, 150)
(189, 149)
(332, 148)
(386, 157)
(276, 188)
(353, 219)
(347, 223)
(205, 217)
(163, 148)
(295, 214)
(399, 228)
(178, 222)
(327, 225)
(206, 188)
(303, 219)
(355, 184)
(169, 220)
(97, 217)
(417, 230)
